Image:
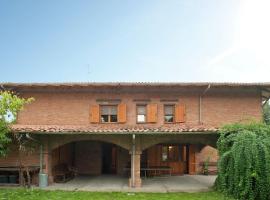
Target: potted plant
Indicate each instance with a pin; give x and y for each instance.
(206, 166)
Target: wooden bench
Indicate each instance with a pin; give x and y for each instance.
(63, 173)
(212, 167)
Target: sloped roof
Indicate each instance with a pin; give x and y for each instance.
(100, 84)
(69, 129)
(263, 87)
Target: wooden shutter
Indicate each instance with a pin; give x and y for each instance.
(152, 113)
(94, 113)
(122, 113)
(180, 113)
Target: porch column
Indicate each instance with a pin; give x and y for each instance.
(135, 179)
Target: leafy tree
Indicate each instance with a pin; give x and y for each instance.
(244, 164)
(266, 113)
(10, 105)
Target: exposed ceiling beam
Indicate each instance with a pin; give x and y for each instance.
(265, 89)
(266, 101)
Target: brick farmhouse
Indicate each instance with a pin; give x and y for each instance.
(130, 128)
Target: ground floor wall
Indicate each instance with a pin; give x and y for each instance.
(181, 158)
(206, 156)
(91, 157)
(88, 157)
(14, 158)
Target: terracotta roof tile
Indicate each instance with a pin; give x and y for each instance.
(90, 129)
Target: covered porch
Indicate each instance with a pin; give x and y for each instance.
(112, 153)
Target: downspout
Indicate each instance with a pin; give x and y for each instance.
(133, 160)
(200, 103)
(41, 159)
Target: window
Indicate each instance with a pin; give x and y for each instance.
(141, 113)
(108, 114)
(171, 153)
(169, 113)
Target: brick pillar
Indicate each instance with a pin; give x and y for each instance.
(47, 156)
(137, 169)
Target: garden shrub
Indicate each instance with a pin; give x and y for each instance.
(244, 164)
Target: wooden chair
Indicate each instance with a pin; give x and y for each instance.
(63, 173)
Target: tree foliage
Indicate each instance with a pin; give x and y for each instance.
(10, 105)
(244, 164)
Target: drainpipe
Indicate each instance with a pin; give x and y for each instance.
(41, 159)
(200, 103)
(42, 178)
(133, 160)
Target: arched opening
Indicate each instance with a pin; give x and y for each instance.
(88, 158)
(178, 157)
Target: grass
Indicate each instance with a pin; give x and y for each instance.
(24, 194)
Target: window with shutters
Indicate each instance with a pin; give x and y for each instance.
(169, 113)
(108, 113)
(141, 113)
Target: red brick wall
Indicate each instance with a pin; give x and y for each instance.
(220, 109)
(13, 159)
(123, 160)
(73, 108)
(88, 157)
(63, 154)
(203, 155)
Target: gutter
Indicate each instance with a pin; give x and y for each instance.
(200, 102)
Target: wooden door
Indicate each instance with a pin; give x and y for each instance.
(114, 160)
(191, 160)
(154, 158)
(177, 167)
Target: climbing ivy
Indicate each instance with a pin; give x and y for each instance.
(244, 164)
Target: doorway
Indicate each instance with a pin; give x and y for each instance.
(109, 158)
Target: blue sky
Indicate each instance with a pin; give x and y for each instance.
(142, 40)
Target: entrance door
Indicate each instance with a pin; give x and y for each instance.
(109, 155)
(191, 159)
(175, 156)
(170, 155)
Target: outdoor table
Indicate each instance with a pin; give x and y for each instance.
(155, 169)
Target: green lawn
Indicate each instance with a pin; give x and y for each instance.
(24, 194)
